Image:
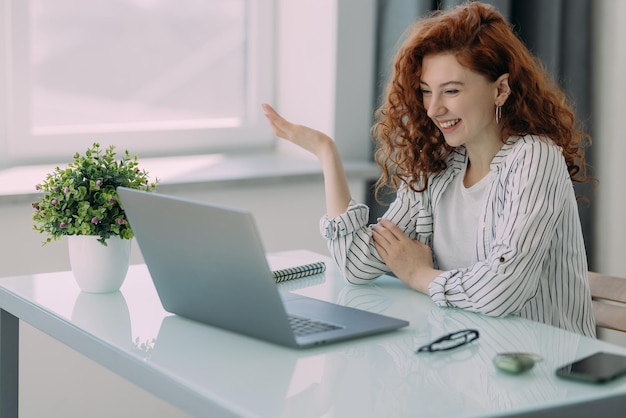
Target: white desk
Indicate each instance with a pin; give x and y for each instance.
(210, 372)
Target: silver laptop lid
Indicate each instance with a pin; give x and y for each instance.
(208, 264)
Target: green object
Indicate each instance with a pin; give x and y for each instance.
(515, 363)
(81, 199)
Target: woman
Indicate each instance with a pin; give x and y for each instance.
(482, 150)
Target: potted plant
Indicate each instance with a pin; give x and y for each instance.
(81, 202)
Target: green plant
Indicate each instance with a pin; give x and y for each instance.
(82, 199)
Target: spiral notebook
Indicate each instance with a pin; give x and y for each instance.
(297, 272)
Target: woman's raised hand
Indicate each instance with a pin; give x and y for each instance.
(323, 147)
(303, 136)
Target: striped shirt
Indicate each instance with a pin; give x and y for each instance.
(530, 249)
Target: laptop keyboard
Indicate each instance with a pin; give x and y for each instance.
(305, 326)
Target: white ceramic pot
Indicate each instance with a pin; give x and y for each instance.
(98, 268)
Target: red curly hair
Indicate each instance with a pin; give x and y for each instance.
(409, 145)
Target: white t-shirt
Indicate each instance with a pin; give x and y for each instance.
(456, 223)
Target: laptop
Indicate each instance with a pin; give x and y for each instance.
(208, 264)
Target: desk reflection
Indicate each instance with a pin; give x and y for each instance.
(274, 380)
(105, 315)
(467, 372)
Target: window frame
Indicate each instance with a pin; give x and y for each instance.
(18, 146)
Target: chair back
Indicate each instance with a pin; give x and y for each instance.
(609, 301)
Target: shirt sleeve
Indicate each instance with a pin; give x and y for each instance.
(349, 237)
(527, 208)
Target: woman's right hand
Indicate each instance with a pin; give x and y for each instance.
(324, 148)
(303, 136)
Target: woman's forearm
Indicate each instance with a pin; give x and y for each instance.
(336, 187)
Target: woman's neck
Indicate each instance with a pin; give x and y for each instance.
(479, 162)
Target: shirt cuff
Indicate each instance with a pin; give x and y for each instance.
(356, 216)
(437, 290)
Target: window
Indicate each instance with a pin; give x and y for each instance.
(153, 76)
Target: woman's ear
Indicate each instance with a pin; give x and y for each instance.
(503, 89)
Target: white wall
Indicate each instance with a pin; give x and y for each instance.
(609, 142)
(326, 72)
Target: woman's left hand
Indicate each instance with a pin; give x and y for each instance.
(410, 260)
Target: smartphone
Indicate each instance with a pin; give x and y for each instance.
(600, 367)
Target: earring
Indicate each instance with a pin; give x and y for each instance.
(498, 114)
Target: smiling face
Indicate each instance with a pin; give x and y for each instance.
(461, 102)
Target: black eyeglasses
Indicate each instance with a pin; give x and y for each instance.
(450, 341)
